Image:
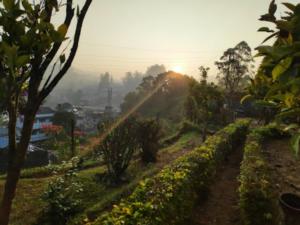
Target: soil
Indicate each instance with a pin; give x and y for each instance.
(284, 165)
(221, 205)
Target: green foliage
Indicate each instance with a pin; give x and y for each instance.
(258, 199)
(148, 135)
(235, 66)
(277, 80)
(50, 170)
(118, 147)
(26, 33)
(204, 103)
(64, 119)
(62, 196)
(168, 197)
(160, 95)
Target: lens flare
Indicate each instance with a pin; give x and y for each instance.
(132, 110)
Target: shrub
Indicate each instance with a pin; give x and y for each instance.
(148, 136)
(258, 198)
(169, 197)
(62, 196)
(117, 148)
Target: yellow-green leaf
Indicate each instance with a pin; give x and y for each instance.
(295, 143)
(62, 30)
(281, 67)
(22, 60)
(8, 4)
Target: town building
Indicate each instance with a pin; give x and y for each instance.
(43, 117)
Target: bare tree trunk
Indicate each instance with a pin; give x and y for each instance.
(17, 156)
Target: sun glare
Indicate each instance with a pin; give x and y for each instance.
(178, 69)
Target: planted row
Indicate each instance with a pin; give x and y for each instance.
(169, 197)
(258, 198)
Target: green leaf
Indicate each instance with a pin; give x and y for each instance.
(62, 30)
(265, 29)
(267, 104)
(295, 141)
(281, 67)
(27, 6)
(285, 25)
(62, 58)
(10, 53)
(288, 114)
(246, 98)
(291, 127)
(272, 8)
(265, 50)
(22, 60)
(8, 4)
(271, 36)
(290, 6)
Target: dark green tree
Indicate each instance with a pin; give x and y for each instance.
(64, 119)
(148, 134)
(204, 104)
(234, 66)
(117, 148)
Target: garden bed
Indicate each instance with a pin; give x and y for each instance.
(285, 166)
(170, 196)
(258, 193)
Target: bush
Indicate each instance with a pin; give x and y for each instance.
(169, 197)
(148, 135)
(117, 148)
(62, 196)
(258, 198)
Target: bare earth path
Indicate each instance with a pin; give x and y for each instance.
(221, 205)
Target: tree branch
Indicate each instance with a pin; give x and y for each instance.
(46, 91)
(50, 56)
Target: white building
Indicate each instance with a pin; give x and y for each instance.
(43, 117)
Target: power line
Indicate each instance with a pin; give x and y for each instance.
(146, 49)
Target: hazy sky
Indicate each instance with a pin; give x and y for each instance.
(127, 35)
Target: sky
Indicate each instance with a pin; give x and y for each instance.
(129, 35)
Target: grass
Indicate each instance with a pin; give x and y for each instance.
(97, 197)
(27, 204)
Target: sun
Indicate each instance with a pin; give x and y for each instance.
(178, 69)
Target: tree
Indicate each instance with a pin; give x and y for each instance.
(64, 119)
(118, 147)
(234, 66)
(279, 70)
(132, 80)
(163, 94)
(148, 136)
(30, 49)
(156, 69)
(203, 73)
(203, 104)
